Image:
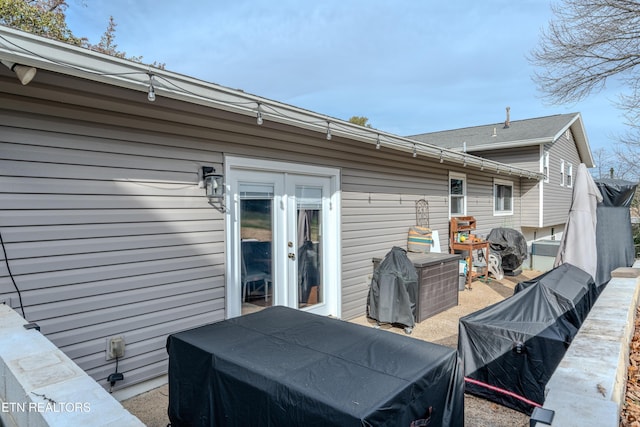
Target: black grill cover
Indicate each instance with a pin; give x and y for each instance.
(614, 236)
(510, 244)
(511, 349)
(284, 367)
(394, 290)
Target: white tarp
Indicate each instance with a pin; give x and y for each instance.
(578, 244)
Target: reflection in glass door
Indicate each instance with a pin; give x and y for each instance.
(256, 243)
(308, 235)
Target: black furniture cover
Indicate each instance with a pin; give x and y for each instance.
(394, 290)
(511, 349)
(571, 284)
(614, 236)
(510, 244)
(285, 367)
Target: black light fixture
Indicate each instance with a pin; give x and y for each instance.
(24, 73)
(213, 183)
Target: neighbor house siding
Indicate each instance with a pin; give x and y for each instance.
(556, 197)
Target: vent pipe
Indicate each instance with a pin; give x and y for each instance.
(507, 122)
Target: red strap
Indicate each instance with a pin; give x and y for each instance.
(500, 390)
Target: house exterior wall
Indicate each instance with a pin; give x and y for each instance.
(107, 233)
(527, 158)
(557, 197)
(379, 207)
(107, 236)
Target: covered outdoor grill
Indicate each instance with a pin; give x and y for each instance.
(393, 292)
(510, 246)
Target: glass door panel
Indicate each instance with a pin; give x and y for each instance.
(308, 204)
(283, 237)
(256, 246)
(308, 201)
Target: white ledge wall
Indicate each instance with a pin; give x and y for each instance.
(588, 387)
(40, 386)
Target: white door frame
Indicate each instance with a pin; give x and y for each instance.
(331, 268)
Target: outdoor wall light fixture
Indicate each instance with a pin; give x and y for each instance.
(24, 73)
(329, 131)
(378, 142)
(415, 152)
(259, 119)
(213, 183)
(151, 96)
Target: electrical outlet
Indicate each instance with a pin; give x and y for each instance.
(115, 347)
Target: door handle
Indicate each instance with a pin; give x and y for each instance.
(292, 256)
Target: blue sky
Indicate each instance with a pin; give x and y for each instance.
(409, 66)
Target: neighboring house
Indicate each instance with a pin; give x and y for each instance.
(108, 232)
(553, 146)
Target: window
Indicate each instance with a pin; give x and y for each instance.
(457, 194)
(545, 166)
(502, 197)
(561, 172)
(569, 175)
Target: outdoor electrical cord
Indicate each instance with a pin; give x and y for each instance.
(115, 377)
(13, 280)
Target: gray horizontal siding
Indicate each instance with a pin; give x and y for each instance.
(108, 237)
(527, 158)
(557, 198)
(377, 217)
(107, 233)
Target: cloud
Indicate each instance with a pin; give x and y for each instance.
(410, 66)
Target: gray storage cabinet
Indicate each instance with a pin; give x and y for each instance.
(437, 282)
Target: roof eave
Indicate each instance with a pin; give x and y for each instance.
(508, 144)
(52, 55)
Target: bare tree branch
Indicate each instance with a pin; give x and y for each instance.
(590, 42)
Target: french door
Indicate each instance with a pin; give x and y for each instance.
(282, 237)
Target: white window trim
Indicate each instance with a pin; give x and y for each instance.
(561, 173)
(545, 166)
(569, 175)
(497, 181)
(463, 177)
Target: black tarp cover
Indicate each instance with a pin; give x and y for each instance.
(394, 290)
(511, 349)
(510, 244)
(571, 284)
(614, 236)
(284, 367)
